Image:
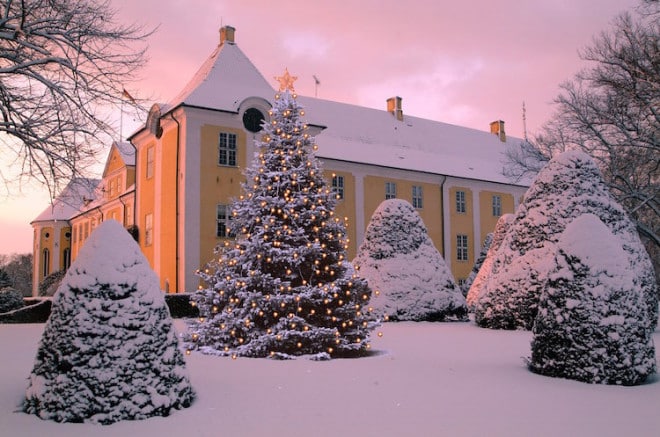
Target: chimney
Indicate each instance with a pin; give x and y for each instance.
(227, 34)
(394, 107)
(497, 128)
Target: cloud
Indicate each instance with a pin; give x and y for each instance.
(428, 93)
(306, 45)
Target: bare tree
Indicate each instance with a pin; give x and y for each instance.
(611, 111)
(63, 68)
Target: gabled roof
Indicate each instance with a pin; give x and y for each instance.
(225, 79)
(354, 133)
(70, 200)
(377, 137)
(126, 153)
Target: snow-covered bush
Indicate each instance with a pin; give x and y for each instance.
(568, 186)
(478, 284)
(109, 351)
(478, 263)
(512, 300)
(10, 299)
(592, 324)
(399, 261)
(51, 283)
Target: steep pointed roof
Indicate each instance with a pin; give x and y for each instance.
(69, 201)
(225, 79)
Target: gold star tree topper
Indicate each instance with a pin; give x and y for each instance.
(286, 81)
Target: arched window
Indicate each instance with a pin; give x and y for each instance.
(45, 263)
(67, 258)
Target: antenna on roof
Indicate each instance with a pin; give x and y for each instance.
(524, 117)
(317, 82)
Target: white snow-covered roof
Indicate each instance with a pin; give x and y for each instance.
(354, 133)
(225, 79)
(70, 201)
(377, 137)
(126, 151)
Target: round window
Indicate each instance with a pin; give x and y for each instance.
(252, 119)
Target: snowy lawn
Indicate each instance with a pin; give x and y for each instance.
(425, 379)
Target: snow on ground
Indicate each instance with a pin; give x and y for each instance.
(425, 379)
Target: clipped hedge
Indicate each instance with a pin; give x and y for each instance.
(38, 310)
(34, 311)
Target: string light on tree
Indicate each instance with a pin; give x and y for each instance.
(283, 277)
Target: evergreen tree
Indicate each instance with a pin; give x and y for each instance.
(5, 280)
(284, 287)
(591, 324)
(478, 284)
(109, 351)
(568, 186)
(399, 260)
(478, 263)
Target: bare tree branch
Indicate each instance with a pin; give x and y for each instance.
(63, 67)
(611, 111)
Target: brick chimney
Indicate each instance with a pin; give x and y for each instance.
(227, 34)
(497, 128)
(394, 107)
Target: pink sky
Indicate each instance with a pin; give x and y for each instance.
(465, 62)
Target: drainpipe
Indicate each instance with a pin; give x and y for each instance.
(177, 226)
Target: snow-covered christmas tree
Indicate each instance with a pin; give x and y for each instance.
(568, 186)
(109, 351)
(591, 324)
(399, 260)
(284, 287)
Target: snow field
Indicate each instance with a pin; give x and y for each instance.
(430, 379)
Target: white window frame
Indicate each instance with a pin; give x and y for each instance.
(461, 206)
(227, 149)
(417, 197)
(497, 205)
(338, 186)
(390, 190)
(462, 248)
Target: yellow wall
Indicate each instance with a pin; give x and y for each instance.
(165, 226)
(488, 220)
(461, 224)
(147, 199)
(345, 208)
(431, 211)
(46, 241)
(218, 184)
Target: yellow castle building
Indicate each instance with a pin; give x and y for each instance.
(173, 183)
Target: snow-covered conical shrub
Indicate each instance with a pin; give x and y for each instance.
(109, 351)
(568, 186)
(465, 287)
(478, 284)
(399, 260)
(592, 324)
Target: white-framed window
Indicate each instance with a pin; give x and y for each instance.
(128, 215)
(223, 219)
(417, 196)
(227, 149)
(460, 202)
(150, 162)
(390, 190)
(338, 186)
(148, 229)
(461, 247)
(497, 205)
